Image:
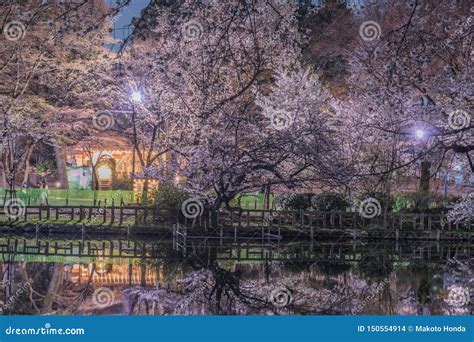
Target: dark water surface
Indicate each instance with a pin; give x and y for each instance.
(253, 277)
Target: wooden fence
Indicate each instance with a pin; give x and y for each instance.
(243, 250)
(233, 219)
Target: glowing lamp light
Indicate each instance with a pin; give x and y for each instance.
(420, 133)
(136, 96)
(104, 172)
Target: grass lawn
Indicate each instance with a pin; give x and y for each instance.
(86, 197)
(73, 197)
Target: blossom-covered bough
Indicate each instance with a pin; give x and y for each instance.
(47, 50)
(249, 114)
(411, 89)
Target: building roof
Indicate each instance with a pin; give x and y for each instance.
(107, 140)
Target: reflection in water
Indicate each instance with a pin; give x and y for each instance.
(369, 280)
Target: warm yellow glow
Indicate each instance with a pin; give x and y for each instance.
(99, 155)
(104, 172)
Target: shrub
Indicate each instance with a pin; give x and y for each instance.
(293, 201)
(168, 196)
(121, 183)
(386, 201)
(329, 201)
(420, 201)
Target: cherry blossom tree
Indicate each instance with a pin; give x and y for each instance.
(410, 90)
(46, 47)
(251, 115)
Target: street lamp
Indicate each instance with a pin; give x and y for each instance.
(420, 133)
(136, 96)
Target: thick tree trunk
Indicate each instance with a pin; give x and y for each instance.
(27, 164)
(61, 166)
(425, 176)
(3, 177)
(95, 177)
(266, 204)
(145, 192)
(54, 286)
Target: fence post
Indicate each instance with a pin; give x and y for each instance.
(112, 214)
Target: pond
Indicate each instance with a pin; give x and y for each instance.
(210, 277)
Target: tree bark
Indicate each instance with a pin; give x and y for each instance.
(61, 166)
(54, 285)
(3, 178)
(145, 192)
(425, 176)
(95, 177)
(27, 164)
(267, 197)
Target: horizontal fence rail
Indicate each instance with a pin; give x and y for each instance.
(237, 219)
(241, 251)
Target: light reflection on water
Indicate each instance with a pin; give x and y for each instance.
(372, 279)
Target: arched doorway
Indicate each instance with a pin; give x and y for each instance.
(105, 172)
(104, 175)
